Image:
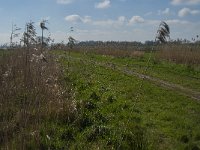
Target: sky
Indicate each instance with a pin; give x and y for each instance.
(106, 20)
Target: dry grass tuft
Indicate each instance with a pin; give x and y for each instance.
(182, 54)
(31, 93)
(111, 51)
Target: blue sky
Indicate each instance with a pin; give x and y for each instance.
(120, 20)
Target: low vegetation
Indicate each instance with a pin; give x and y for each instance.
(113, 101)
(99, 95)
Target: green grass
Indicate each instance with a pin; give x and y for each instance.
(110, 116)
(187, 76)
(4, 52)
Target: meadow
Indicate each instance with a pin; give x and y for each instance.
(100, 98)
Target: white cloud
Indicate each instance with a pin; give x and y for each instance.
(102, 5)
(112, 23)
(78, 19)
(164, 12)
(88, 20)
(186, 11)
(122, 19)
(121, 29)
(147, 32)
(178, 28)
(136, 19)
(177, 22)
(185, 2)
(73, 18)
(64, 1)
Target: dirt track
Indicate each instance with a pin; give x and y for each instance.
(183, 90)
(175, 87)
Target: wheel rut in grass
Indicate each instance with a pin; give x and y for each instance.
(178, 88)
(183, 90)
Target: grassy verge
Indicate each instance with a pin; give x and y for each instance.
(114, 113)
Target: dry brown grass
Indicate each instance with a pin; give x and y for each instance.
(120, 53)
(30, 93)
(111, 51)
(182, 54)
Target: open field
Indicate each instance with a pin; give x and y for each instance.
(100, 75)
(94, 101)
(165, 115)
(182, 74)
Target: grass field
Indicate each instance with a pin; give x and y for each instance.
(118, 113)
(187, 76)
(100, 75)
(108, 105)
